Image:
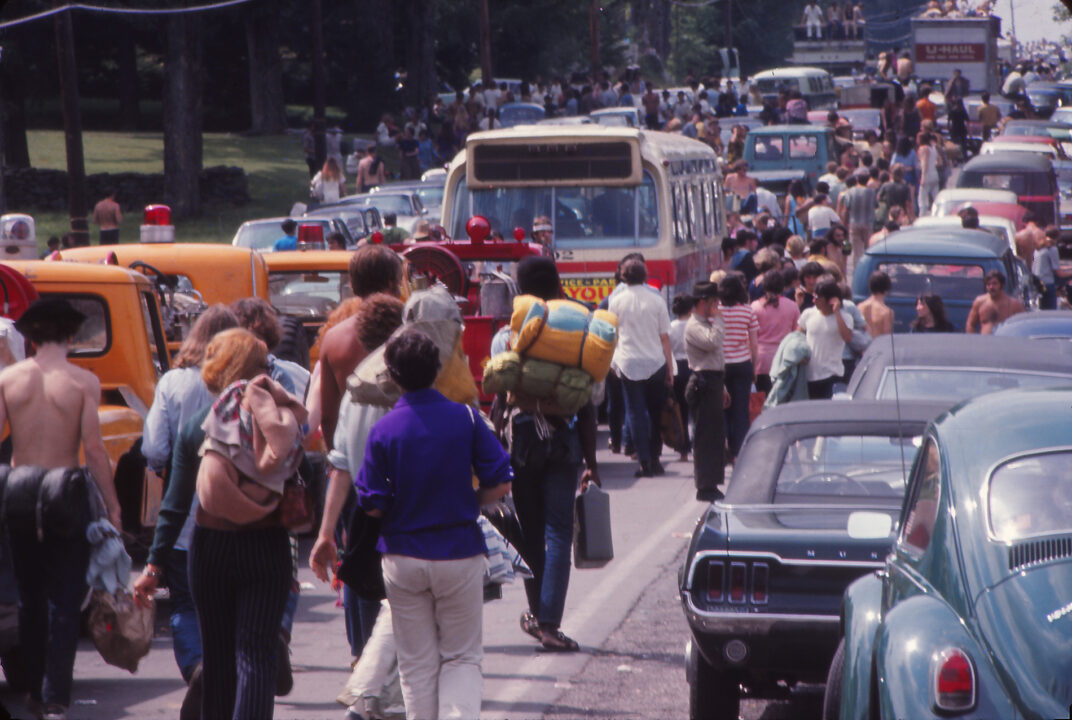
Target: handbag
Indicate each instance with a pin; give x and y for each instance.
(755, 404)
(593, 546)
(121, 629)
(296, 506)
(359, 565)
(673, 432)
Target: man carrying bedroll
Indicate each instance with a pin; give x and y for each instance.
(52, 409)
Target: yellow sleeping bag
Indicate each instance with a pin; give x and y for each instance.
(564, 332)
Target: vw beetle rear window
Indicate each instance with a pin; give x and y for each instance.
(1031, 496)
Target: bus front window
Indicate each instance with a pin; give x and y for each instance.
(587, 216)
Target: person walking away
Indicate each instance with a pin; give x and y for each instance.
(108, 216)
(813, 20)
(704, 334)
(370, 171)
(1048, 270)
(827, 329)
(651, 103)
(644, 362)
(896, 193)
(958, 86)
(417, 475)
(928, 173)
(992, 307)
(392, 234)
(289, 241)
(878, 315)
(240, 558)
(328, 185)
(989, 116)
(858, 214)
(51, 407)
(777, 316)
(742, 187)
(408, 150)
(740, 351)
(681, 307)
(1029, 239)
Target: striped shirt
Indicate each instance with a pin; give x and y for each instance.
(739, 320)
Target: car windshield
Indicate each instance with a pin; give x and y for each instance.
(310, 293)
(387, 203)
(959, 383)
(431, 195)
(845, 465)
(1021, 183)
(1031, 496)
(259, 235)
(950, 281)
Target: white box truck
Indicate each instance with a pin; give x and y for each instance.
(941, 45)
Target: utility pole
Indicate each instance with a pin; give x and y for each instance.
(485, 44)
(72, 128)
(319, 94)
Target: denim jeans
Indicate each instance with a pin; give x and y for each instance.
(739, 378)
(643, 406)
(52, 582)
(185, 633)
(545, 483)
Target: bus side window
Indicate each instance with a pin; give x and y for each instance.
(647, 210)
(680, 214)
(705, 196)
(696, 224)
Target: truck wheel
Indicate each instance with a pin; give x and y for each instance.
(832, 696)
(293, 345)
(713, 695)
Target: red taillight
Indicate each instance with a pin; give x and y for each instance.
(737, 582)
(715, 573)
(760, 582)
(954, 681)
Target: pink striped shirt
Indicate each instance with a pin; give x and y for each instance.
(739, 320)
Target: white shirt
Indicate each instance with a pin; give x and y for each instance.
(351, 434)
(825, 343)
(642, 320)
(813, 14)
(821, 217)
(677, 338)
(768, 201)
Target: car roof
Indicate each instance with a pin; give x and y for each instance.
(805, 412)
(504, 106)
(980, 194)
(949, 242)
(788, 72)
(1009, 160)
(1024, 122)
(1041, 324)
(796, 129)
(969, 350)
(954, 221)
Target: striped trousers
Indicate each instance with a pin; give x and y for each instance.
(239, 581)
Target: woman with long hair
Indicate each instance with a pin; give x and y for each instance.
(930, 315)
(777, 316)
(794, 197)
(327, 185)
(740, 349)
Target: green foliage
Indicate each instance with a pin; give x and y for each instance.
(1061, 13)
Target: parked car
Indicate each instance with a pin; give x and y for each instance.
(430, 193)
(970, 615)
(861, 120)
(405, 204)
(815, 85)
(956, 366)
(762, 581)
(1030, 175)
(951, 200)
(778, 154)
(261, 234)
(1038, 325)
(619, 117)
(995, 224)
(519, 113)
(1045, 99)
(949, 262)
(359, 222)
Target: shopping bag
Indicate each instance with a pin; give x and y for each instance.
(755, 405)
(673, 431)
(121, 629)
(592, 545)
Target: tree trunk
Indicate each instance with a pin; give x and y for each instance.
(127, 56)
(375, 79)
(420, 53)
(486, 73)
(316, 22)
(183, 115)
(268, 114)
(16, 151)
(593, 31)
(72, 128)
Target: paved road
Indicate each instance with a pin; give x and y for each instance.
(626, 616)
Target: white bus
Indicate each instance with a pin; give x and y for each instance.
(608, 191)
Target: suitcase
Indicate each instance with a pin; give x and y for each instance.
(592, 545)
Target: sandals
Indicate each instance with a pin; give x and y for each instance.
(530, 625)
(556, 641)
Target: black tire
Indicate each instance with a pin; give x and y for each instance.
(713, 695)
(832, 695)
(293, 345)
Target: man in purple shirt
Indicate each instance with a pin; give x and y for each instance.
(417, 476)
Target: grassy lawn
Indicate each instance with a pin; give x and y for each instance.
(275, 165)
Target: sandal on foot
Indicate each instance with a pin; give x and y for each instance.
(556, 641)
(530, 624)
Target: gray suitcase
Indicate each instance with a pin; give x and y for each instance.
(592, 545)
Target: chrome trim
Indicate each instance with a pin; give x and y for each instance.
(758, 619)
(727, 554)
(951, 368)
(253, 269)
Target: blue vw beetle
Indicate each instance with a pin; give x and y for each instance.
(972, 615)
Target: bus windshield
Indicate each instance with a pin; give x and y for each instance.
(586, 216)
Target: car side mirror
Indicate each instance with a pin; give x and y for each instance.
(867, 525)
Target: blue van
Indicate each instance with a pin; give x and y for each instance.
(777, 154)
(948, 261)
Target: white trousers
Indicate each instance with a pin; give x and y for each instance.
(814, 27)
(437, 611)
(927, 191)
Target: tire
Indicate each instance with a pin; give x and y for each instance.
(713, 695)
(832, 695)
(293, 345)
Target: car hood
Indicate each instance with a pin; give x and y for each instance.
(1026, 623)
(811, 533)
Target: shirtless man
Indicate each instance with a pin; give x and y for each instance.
(107, 215)
(51, 406)
(877, 315)
(373, 268)
(992, 308)
(1030, 239)
(739, 183)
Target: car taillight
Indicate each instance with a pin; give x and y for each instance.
(715, 573)
(737, 582)
(760, 578)
(954, 681)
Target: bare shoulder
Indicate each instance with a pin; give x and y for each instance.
(85, 380)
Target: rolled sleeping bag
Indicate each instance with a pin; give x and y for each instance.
(564, 332)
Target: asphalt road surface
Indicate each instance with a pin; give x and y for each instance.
(626, 616)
